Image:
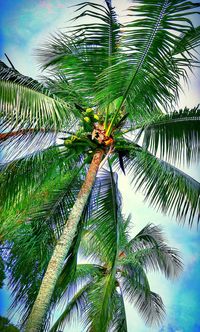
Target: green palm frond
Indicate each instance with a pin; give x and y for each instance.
(104, 218)
(27, 104)
(81, 54)
(104, 241)
(164, 186)
(188, 41)
(135, 288)
(74, 276)
(19, 178)
(37, 234)
(76, 306)
(61, 88)
(82, 280)
(149, 41)
(49, 203)
(101, 307)
(23, 107)
(150, 250)
(119, 323)
(174, 137)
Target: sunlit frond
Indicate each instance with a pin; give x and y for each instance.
(150, 59)
(174, 137)
(164, 186)
(104, 218)
(75, 307)
(85, 50)
(151, 251)
(135, 288)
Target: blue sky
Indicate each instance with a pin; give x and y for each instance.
(24, 25)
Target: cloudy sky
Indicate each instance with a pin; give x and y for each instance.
(23, 26)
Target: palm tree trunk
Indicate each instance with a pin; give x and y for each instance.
(56, 262)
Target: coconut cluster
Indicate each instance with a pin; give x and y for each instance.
(89, 116)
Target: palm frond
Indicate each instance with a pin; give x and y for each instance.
(151, 308)
(147, 53)
(104, 218)
(119, 323)
(104, 237)
(150, 250)
(135, 288)
(19, 178)
(188, 41)
(74, 276)
(75, 307)
(82, 53)
(101, 309)
(164, 186)
(27, 104)
(174, 137)
(38, 236)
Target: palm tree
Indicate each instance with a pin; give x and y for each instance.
(106, 80)
(98, 294)
(97, 291)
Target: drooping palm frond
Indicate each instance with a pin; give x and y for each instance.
(150, 250)
(91, 276)
(19, 178)
(85, 276)
(23, 107)
(27, 104)
(101, 309)
(75, 307)
(104, 218)
(149, 41)
(119, 322)
(19, 133)
(163, 185)
(127, 278)
(16, 144)
(136, 289)
(187, 42)
(38, 236)
(81, 54)
(174, 137)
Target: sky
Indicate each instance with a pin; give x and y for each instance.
(24, 25)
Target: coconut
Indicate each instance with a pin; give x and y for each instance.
(87, 119)
(89, 110)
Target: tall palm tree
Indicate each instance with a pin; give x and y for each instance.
(106, 80)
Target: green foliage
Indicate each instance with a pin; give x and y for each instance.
(106, 79)
(174, 137)
(98, 291)
(163, 185)
(6, 326)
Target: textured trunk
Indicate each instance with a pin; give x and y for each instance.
(55, 265)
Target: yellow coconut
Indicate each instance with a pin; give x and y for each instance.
(96, 117)
(89, 110)
(87, 119)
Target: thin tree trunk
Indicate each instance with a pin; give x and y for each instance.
(56, 262)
